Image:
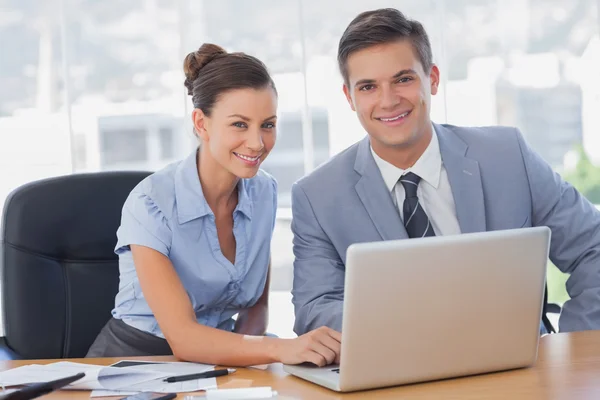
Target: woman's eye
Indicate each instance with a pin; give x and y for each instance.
(239, 124)
(268, 125)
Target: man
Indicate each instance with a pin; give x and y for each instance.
(411, 178)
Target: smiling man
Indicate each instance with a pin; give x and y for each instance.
(411, 178)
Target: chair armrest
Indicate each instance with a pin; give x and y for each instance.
(6, 353)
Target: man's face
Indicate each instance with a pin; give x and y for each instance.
(391, 94)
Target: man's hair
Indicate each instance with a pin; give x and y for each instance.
(381, 26)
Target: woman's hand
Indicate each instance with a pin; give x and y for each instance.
(321, 346)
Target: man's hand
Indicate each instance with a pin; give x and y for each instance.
(321, 347)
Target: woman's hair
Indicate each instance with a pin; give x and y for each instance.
(210, 71)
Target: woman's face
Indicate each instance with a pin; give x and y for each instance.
(241, 129)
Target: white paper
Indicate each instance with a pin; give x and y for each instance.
(22, 375)
(111, 378)
(159, 386)
(173, 369)
(113, 381)
(110, 393)
(260, 366)
(264, 392)
(96, 376)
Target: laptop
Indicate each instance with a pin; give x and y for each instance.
(439, 307)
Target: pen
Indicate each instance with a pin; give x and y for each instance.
(202, 375)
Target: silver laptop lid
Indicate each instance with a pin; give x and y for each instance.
(439, 307)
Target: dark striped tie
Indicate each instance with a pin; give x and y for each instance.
(416, 222)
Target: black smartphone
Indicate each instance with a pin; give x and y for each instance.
(150, 396)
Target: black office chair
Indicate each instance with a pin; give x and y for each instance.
(59, 271)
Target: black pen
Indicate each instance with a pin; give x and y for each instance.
(202, 375)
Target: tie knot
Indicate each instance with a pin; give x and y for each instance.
(410, 182)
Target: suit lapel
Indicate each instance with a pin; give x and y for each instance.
(465, 181)
(375, 197)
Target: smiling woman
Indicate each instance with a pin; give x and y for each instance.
(247, 109)
(194, 240)
(241, 140)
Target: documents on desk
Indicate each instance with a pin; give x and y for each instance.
(114, 380)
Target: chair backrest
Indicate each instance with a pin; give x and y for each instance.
(59, 271)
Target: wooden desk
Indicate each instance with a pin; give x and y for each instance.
(568, 367)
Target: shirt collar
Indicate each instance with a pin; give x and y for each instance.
(191, 203)
(244, 202)
(428, 166)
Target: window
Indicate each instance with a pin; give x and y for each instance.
(97, 85)
(122, 146)
(167, 149)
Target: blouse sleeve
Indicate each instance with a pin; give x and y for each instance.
(144, 224)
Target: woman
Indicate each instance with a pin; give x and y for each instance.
(194, 240)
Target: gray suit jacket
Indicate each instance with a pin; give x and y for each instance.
(497, 181)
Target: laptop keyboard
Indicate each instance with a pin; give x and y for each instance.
(336, 370)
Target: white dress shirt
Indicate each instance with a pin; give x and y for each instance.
(434, 191)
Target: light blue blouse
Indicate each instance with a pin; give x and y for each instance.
(168, 212)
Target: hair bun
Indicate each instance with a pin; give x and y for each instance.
(197, 60)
